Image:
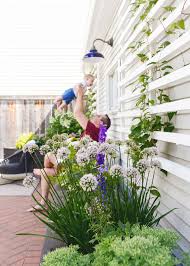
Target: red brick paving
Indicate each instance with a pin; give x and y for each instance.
(19, 250)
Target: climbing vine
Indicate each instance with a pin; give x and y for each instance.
(146, 124)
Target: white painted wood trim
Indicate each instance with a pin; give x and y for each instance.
(175, 78)
(174, 49)
(176, 169)
(177, 138)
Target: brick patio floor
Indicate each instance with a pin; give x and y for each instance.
(19, 250)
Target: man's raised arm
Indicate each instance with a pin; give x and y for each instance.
(79, 109)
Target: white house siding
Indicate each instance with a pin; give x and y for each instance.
(174, 147)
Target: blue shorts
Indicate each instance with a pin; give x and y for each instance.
(68, 96)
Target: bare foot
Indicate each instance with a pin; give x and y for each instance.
(36, 208)
(37, 172)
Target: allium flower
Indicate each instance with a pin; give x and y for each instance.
(143, 165)
(92, 152)
(155, 163)
(132, 172)
(131, 144)
(152, 151)
(85, 140)
(56, 145)
(104, 148)
(63, 153)
(110, 141)
(118, 142)
(94, 144)
(88, 182)
(56, 137)
(82, 159)
(112, 151)
(30, 181)
(44, 149)
(82, 150)
(63, 137)
(50, 142)
(75, 145)
(33, 148)
(116, 170)
(27, 145)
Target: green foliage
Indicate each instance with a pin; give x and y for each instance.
(68, 218)
(23, 139)
(137, 246)
(90, 103)
(178, 25)
(127, 246)
(169, 8)
(135, 203)
(68, 256)
(143, 57)
(142, 130)
(63, 123)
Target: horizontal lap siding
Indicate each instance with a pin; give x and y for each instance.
(175, 191)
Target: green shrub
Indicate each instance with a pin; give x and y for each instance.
(136, 247)
(63, 123)
(132, 251)
(165, 237)
(66, 257)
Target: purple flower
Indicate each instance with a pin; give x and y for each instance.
(100, 161)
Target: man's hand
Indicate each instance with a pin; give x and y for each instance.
(79, 90)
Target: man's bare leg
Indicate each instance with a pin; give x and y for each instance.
(50, 169)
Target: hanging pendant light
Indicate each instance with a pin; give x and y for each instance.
(93, 56)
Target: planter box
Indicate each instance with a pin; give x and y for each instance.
(50, 244)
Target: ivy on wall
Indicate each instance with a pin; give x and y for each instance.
(146, 124)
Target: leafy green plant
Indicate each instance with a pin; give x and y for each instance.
(63, 123)
(178, 25)
(124, 245)
(136, 246)
(68, 256)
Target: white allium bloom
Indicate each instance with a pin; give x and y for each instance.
(110, 141)
(27, 145)
(143, 165)
(118, 142)
(92, 151)
(56, 145)
(33, 148)
(116, 170)
(82, 158)
(152, 151)
(104, 148)
(30, 181)
(49, 142)
(86, 140)
(56, 137)
(63, 137)
(88, 182)
(75, 144)
(155, 163)
(132, 172)
(82, 150)
(112, 151)
(63, 153)
(131, 144)
(94, 144)
(44, 149)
